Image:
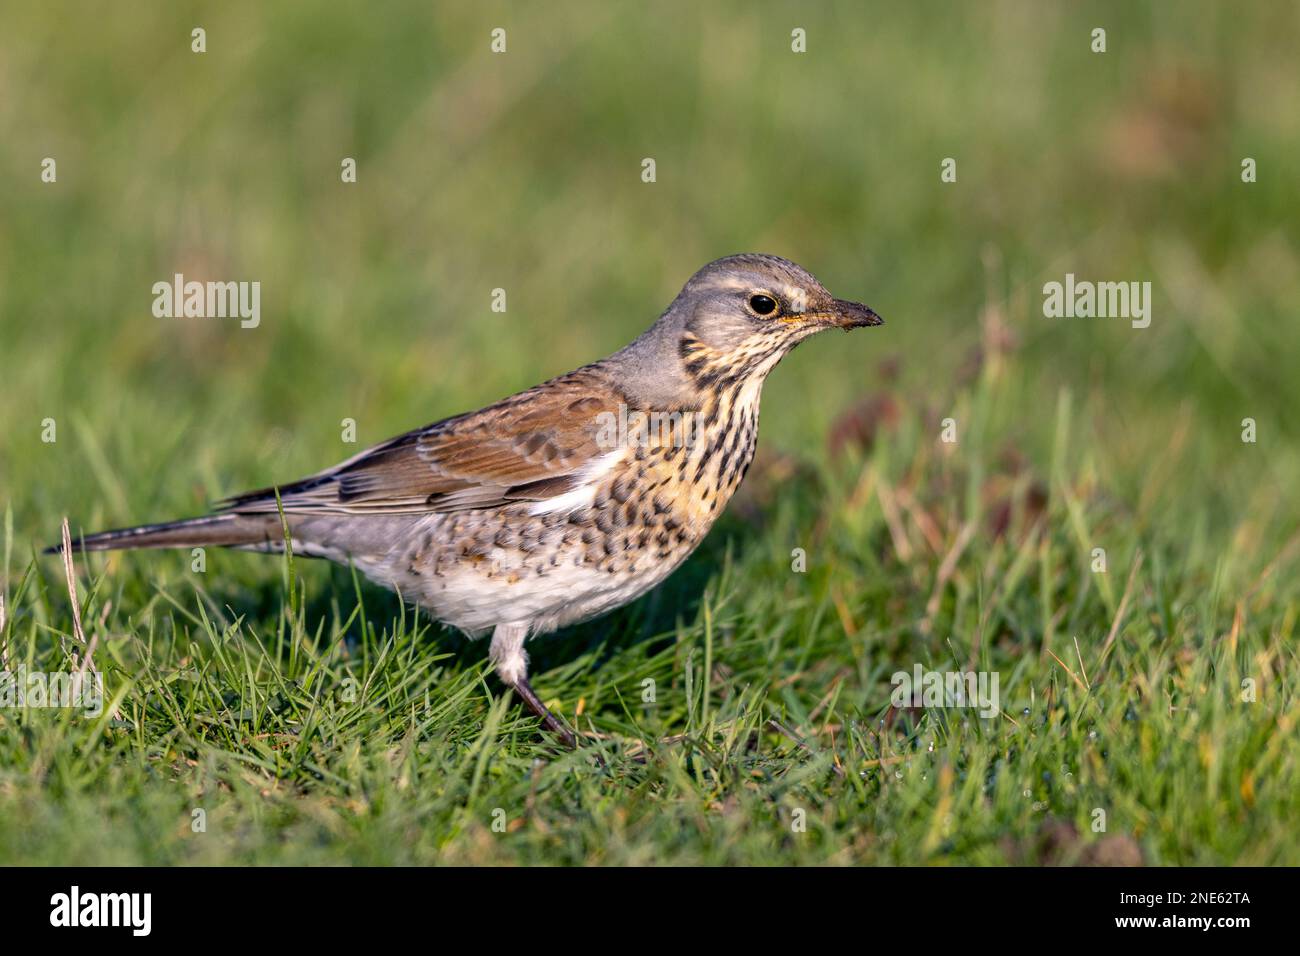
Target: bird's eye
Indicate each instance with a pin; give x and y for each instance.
(762, 304)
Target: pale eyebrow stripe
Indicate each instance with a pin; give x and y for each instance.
(727, 282)
(791, 294)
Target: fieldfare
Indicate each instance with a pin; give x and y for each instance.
(564, 501)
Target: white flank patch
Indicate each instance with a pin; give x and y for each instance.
(585, 493)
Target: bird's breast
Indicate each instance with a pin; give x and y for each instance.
(687, 483)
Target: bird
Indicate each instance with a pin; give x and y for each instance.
(560, 503)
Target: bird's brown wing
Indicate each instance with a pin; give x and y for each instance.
(529, 447)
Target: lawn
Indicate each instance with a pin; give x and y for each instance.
(1103, 516)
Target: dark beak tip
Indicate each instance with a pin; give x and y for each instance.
(858, 316)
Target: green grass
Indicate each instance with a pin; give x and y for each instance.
(315, 719)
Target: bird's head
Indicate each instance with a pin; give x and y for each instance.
(731, 323)
(750, 310)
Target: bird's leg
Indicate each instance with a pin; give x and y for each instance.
(549, 720)
(507, 654)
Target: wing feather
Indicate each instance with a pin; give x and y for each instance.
(533, 446)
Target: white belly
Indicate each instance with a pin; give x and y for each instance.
(476, 599)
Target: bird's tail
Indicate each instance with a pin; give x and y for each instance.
(219, 530)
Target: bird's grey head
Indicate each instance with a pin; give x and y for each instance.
(735, 317)
(735, 303)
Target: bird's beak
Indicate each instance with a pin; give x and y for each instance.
(852, 315)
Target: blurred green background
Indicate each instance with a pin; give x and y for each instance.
(522, 171)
